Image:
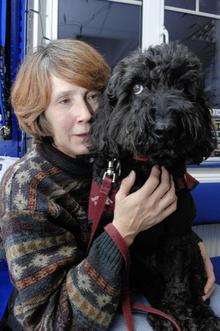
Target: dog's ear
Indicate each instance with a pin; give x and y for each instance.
(208, 141)
(204, 146)
(100, 125)
(183, 70)
(187, 74)
(113, 86)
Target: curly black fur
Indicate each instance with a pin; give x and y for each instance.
(170, 120)
(155, 105)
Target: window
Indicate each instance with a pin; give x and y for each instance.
(200, 33)
(114, 28)
(208, 6)
(186, 4)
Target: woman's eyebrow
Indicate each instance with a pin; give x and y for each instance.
(62, 94)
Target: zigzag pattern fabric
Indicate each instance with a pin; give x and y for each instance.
(45, 232)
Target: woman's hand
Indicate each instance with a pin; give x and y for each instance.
(148, 206)
(210, 284)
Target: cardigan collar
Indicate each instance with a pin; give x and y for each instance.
(79, 166)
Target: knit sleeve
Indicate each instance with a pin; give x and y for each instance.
(58, 288)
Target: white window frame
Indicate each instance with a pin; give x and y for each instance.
(129, 2)
(42, 22)
(196, 12)
(153, 30)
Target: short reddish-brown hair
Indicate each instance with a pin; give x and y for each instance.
(71, 60)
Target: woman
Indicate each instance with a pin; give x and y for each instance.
(59, 285)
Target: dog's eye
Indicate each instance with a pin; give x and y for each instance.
(137, 89)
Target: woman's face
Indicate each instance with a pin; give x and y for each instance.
(69, 114)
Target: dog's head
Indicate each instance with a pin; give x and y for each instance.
(155, 105)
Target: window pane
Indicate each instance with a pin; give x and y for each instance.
(113, 28)
(217, 127)
(202, 36)
(186, 4)
(208, 6)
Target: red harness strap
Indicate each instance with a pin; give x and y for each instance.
(126, 302)
(127, 307)
(97, 200)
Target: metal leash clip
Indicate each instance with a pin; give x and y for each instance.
(113, 170)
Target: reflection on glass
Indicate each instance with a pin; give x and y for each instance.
(216, 120)
(202, 36)
(113, 28)
(208, 6)
(186, 4)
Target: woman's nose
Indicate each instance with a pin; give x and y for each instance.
(83, 113)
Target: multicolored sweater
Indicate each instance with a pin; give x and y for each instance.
(45, 231)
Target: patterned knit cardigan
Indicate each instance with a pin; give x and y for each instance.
(44, 229)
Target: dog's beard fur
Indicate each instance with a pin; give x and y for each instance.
(170, 121)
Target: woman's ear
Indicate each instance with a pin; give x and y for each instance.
(43, 126)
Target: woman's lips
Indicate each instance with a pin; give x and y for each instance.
(83, 135)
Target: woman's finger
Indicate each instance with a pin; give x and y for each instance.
(126, 186)
(210, 284)
(164, 186)
(167, 211)
(210, 279)
(209, 293)
(168, 198)
(151, 183)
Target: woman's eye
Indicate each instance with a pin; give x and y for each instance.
(93, 100)
(93, 97)
(137, 89)
(64, 101)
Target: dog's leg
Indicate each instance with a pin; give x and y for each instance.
(184, 276)
(205, 317)
(174, 263)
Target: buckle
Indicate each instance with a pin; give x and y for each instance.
(113, 170)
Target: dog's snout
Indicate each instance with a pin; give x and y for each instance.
(161, 127)
(160, 132)
(164, 129)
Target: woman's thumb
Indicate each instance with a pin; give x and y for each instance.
(126, 185)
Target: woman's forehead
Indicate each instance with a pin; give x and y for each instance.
(60, 87)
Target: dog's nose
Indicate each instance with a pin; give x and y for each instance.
(163, 129)
(161, 126)
(159, 132)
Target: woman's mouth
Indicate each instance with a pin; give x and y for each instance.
(83, 135)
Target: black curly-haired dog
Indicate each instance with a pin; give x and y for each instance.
(155, 107)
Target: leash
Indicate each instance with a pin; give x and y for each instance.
(97, 200)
